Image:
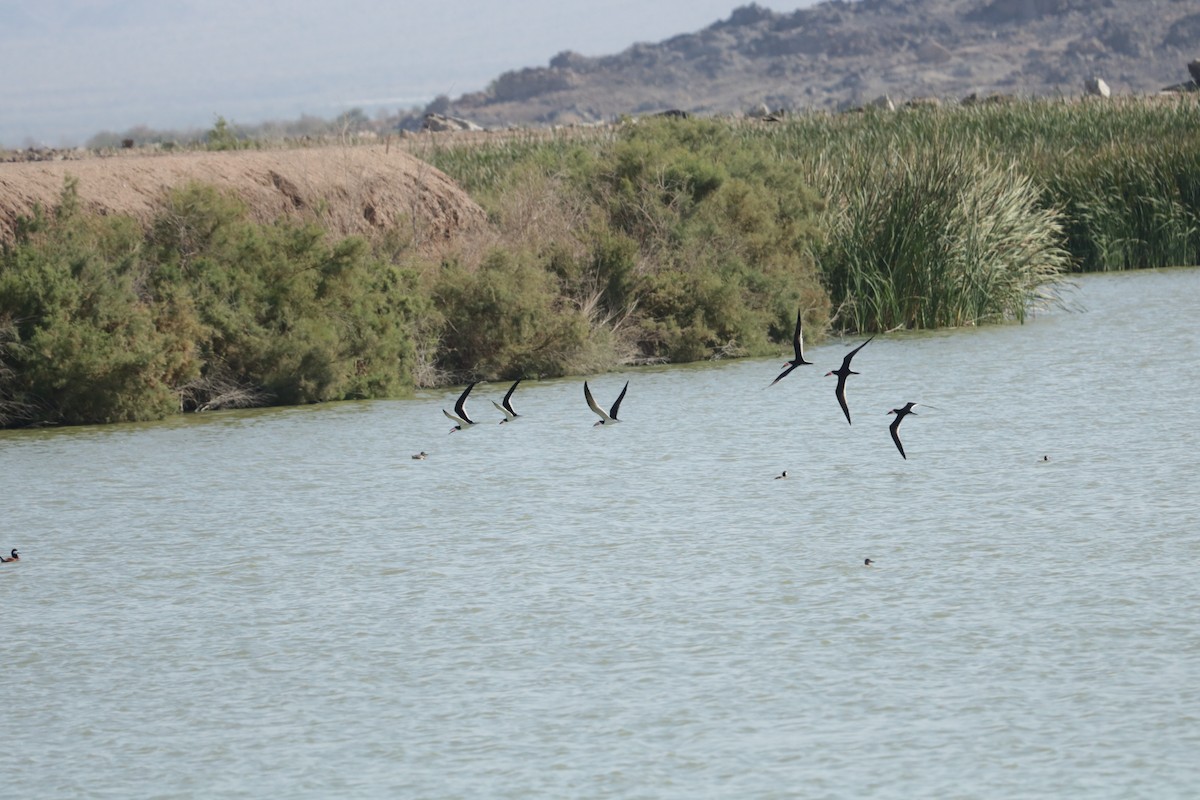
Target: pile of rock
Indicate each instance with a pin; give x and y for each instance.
(1187, 86)
(441, 122)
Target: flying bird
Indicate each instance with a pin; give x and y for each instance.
(798, 344)
(506, 407)
(460, 410)
(611, 416)
(900, 413)
(842, 373)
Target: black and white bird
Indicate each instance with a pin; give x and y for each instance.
(15, 557)
(867, 562)
(781, 476)
(506, 405)
(611, 416)
(900, 413)
(460, 410)
(798, 344)
(842, 373)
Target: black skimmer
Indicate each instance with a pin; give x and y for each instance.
(900, 413)
(867, 562)
(15, 557)
(460, 411)
(781, 477)
(842, 373)
(421, 456)
(611, 416)
(506, 406)
(798, 344)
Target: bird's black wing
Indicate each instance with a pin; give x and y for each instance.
(895, 429)
(798, 341)
(460, 407)
(840, 391)
(850, 355)
(617, 405)
(784, 374)
(508, 396)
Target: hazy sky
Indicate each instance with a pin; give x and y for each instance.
(72, 68)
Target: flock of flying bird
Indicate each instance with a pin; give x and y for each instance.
(463, 421)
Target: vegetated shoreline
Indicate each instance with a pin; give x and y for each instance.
(666, 240)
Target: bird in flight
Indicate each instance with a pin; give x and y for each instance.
(798, 344)
(842, 373)
(506, 405)
(900, 413)
(460, 410)
(611, 416)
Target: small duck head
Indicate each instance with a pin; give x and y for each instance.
(867, 562)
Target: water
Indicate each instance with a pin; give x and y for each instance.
(281, 603)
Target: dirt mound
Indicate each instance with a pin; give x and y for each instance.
(350, 190)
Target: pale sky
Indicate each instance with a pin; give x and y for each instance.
(73, 68)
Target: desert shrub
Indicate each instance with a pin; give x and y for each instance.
(723, 230)
(282, 308)
(103, 323)
(83, 342)
(507, 319)
(635, 221)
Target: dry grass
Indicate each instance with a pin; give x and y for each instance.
(349, 190)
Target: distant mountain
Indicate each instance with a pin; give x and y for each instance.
(839, 54)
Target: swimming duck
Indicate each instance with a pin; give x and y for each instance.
(15, 557)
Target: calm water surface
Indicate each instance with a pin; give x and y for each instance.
(282, 603)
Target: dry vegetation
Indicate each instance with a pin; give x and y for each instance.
(348, 190)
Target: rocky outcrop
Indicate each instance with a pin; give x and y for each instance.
(441, 122)
(843, 53)
(1096, 87)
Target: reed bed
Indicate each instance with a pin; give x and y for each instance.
(952, 215)
(660, 240)
(1122, 177)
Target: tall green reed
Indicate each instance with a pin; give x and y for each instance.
(927, 240)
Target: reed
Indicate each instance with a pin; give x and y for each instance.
(941, 240)
(1123, 177)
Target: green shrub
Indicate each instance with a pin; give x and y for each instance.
(84, 343)
(210, 310)
(507, 319)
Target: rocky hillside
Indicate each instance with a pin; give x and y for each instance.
(840, 54)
